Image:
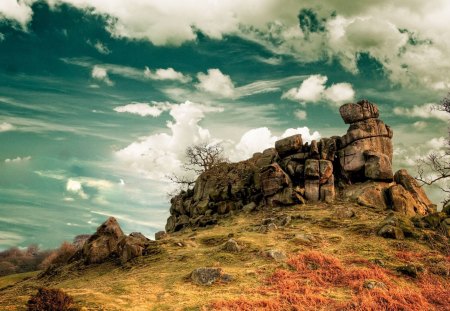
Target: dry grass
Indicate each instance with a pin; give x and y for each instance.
(331, 279)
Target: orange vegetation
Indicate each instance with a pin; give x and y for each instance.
(315, 281)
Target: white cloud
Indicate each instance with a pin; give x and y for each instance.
(18, 159)
(438, 143)
(313, 89)
(166, 74)
(4, 127)
(340, 93)
(215, 82)
(426, 111)
(162, 154)
(75, 187)
(259, 139)
(144, 109)
(300, 114)
(100, 73)
(19, 11)
(100, 47)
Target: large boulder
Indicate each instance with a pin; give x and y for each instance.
(360, 111)
(403, 201)
(273, 179)
(352, 157)
(377, 166)
(410, 184)
(289, 145)
(103, 244)
(366, 129)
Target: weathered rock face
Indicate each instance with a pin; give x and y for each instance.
(109, 241)
(103, 244)
(356, 166)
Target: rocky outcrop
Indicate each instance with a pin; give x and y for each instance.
(356, 167)
(110, 242)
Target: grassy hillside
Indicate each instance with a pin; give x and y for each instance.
(334, 260)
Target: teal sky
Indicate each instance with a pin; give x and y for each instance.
(99, 99)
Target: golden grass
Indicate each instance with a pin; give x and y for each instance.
(161, 283)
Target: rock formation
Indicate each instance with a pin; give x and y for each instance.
(109, 241)
(356, 167)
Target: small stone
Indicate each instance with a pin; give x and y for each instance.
(231, 246)
(275, 254)
(409, 270)
(391, 232)
(160, 235)
(371, 284)
(250, 207)
(206, 276)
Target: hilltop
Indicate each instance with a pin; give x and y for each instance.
(320, 225)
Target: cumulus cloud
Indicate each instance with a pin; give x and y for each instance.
(18, 159)
(426, 111)
(4, 127)
(101, 74)
(215, 82)
(161, 154)
(256, 140)
(80, 185)
(75, 187)
(313, 89)
(408, 38)
(18, 11)
(166, 74)
(144, 109)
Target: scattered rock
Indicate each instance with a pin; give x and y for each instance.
(391, 232)
(160, 235)
(371, 284)
(250, 207)
(206, 276)
(231, 246)
(276, 255)
(344, 213)
(409, 270)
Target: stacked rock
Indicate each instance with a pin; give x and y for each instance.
(365, 151)
(358, 164)
(310, 166)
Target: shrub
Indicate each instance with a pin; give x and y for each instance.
(60, 256)
(50, 300)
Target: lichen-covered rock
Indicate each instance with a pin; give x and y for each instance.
(289, 145)
(391, 232)
(360, 111)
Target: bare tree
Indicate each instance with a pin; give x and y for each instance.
(199, 158)
(434, 169)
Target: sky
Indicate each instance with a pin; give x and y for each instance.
(99, 99)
